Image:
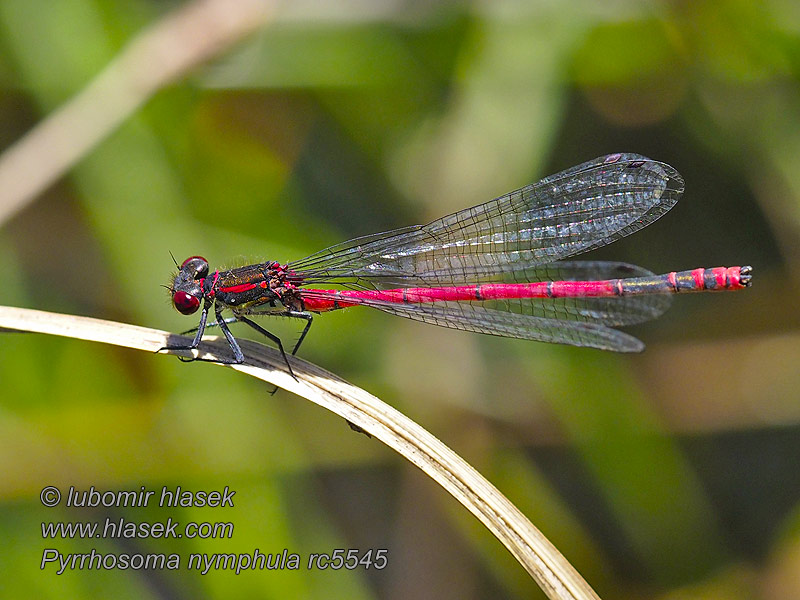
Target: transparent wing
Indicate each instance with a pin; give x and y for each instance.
(482, 319)
(582, 208)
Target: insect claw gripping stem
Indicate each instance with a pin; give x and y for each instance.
(309, 319)
(503, 268)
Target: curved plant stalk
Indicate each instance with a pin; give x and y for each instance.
(162, 53)
(558, 579)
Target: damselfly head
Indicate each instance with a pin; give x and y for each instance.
(187, 289)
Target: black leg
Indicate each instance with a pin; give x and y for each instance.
(295, 314)
(238, 356)
(269, 334)
(227, 321)
(201, 327)
(235, 348)
(288, 313)
(300, 315)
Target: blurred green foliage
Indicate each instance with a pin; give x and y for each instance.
(670, 474)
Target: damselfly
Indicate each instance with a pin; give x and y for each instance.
(497, 268)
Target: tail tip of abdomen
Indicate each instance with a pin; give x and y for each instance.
(746, 275)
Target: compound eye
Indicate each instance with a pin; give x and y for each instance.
(197, 266)
(185, 303)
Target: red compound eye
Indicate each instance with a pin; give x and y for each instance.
(185, 303)
(196, 266)
(191, 258)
